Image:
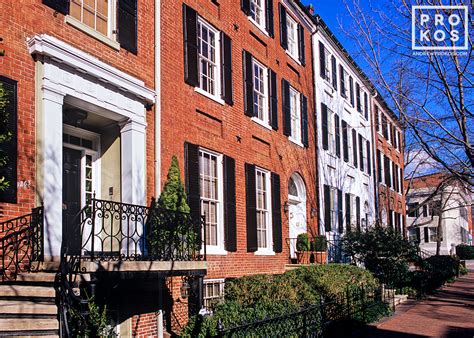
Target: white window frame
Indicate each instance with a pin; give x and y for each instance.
(430, 233)
(332, 133)
(389, 131)
(111, 19)
(216, 96)
(379, 121)
(350, 147)
(220, 297)
(328, 66)
(265, 121)
(268, 249)
(295, 116)
(292, 35)
(345, 75)
(364, 155)
(263, 18)
(382, 167)
(219, 248)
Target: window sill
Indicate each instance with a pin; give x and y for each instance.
(260, 28)
(264, 252)
(297, 142)
(261, 122)
(91, 32)
(212, 250)
(209, 96)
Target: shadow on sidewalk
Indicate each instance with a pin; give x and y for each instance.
(368, 331)
(459, 332)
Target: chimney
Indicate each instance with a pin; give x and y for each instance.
(310, 8)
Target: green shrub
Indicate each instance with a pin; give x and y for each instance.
(440, 269)
(465, 251)
(319, 243)
(302, 242)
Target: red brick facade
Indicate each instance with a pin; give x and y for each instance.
(188, 116)
(25, 19)
(389, 199)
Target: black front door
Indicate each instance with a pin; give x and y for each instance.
(71, 199)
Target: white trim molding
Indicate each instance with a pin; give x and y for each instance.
(60, 51)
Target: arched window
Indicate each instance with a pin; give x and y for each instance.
(296, 188)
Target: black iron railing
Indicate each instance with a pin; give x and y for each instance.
(21, 243)
(120, 231)
(319, 250)
(359, 304)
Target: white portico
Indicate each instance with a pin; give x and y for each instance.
(93, 116)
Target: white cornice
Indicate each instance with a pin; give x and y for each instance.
(60, 51)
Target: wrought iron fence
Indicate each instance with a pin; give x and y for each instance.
(363, 304)
(319, 250)
(21, 243)
(121, 231)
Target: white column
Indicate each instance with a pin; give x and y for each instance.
(50, 143)
(132, 143)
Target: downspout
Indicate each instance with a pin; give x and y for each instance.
(157, 55)
(157, 99)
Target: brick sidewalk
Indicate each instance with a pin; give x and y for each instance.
(447, 313)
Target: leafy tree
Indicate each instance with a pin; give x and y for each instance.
(5, 135)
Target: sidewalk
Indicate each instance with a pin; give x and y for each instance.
(447, 313)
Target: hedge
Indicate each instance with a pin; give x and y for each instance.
(257, 297)
(465, 251)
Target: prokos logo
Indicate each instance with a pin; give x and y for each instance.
(439, 28)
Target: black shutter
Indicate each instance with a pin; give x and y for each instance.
(354, 147)
(334, 72)
(226, 52)
(127, 24)
(304, 120)
(322, 60)
(387, 170)
(377, 125)
(351, 90)
(345, 142)
(324, 117)
(269, 18)
(60, 6)
(273, 104)
(361, 153)
(190, 46)
(384, 127)
(301, 48)
(340, 214)
(369, 169)
(285, 90)
(427, 236)
(359, 104)
(9, 147)
(251, 207)
(327, 207)
(338, 135)
(358, 212)
(341, 81)
(248, 83)
(276, 213)
(348, 212)
(379, 166)
(245, 6)
(418, 235)
(283, 28)
(229, 206)
(191, 160)
(366, 106)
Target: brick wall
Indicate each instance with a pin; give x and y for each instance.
(24, 19)
(192, 117)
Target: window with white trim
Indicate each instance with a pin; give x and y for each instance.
(213, 292)
(96, 14)
(364, 155)
(295, 111)
(382, 168)
(344, 79)
(211, 191)
(209, 58)
(263, 206)
(433, 234)
(260, 91)
(350, 154)
(257, 12)
(331, 132)
(292, 31)
(328, 65)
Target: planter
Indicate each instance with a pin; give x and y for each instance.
(320, 257)
(303, 257)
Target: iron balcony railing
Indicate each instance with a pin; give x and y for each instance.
(21, 243)
(318, 250)
(121, 231)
